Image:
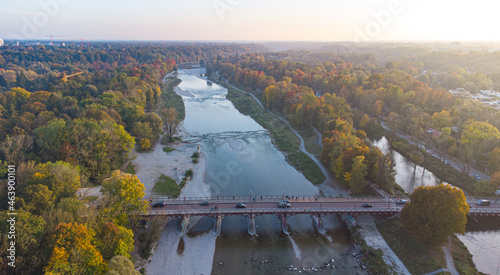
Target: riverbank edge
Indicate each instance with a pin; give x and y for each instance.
(195, 187)
(461, 255)
(288, 146)
(463, 250)
(442, 171)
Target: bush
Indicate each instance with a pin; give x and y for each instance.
(195, 155)
(189, 174)
(195, 160)
(168, 149)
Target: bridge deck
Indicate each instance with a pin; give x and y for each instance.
(316, 206)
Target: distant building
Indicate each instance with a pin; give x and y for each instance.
(1, 42)
(490, 93)
(459, 91)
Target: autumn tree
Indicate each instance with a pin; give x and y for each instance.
(120, 265)
(16, 148)
(477, 139)
(114, 240)
(73, 251)
(170, 121)
(124, 194)
(357, 181)
(434, 213)
(30, 231)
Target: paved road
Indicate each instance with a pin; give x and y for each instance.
(449, 160)
(308, 204)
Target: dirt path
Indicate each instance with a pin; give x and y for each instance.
(373, 238)
(450, 265)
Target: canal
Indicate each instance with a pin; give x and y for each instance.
(482, 236)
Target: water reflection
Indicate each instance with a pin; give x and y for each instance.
(408, 174)
(482, 236)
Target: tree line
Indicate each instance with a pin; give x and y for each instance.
(69, 118)
(330, 93)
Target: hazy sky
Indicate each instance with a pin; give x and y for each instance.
(326, 20)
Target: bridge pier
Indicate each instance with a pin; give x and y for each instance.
(318, 223)
(217, 225)
(184, 226)
(284, 224)
(251, 225)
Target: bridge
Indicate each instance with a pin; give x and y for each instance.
(310, 205)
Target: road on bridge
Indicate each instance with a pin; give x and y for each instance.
(339, 203)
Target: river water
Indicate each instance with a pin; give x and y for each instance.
(482, 236)
(242, 161)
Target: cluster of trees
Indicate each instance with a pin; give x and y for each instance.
(344, 148)
(69, 117)
(56, 233)
(465, 129)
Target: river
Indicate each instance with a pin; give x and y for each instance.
(482, 236)
(241, 160)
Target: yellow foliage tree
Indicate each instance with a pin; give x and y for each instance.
(73, 251)
(125, 192)
(434, 213)
(145, 143)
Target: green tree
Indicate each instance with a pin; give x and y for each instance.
(357, 181)
(29, 234)
(434, 213)
(38, 198)
(114, 240)
(125, 193)
(145, 143)
(440, 120)
(120, 265)
(484, 188)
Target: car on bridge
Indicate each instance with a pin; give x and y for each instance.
(367, 205)
(401, 201)
(477, 177)
(284, 204)
(241, 205)
(483, 202)
(205, 203)
(158, 204)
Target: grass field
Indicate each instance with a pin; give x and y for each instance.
(420, 259)
(310, 142)
(284, 139)
(167, 186)
(168, 149)
(170, 99)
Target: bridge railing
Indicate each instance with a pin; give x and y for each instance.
(245, 199)
(269, 211)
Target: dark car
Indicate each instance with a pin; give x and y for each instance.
(284, 204)
(401, 202)
(367, 205)
(483, 202)
(205, 203)
(158, 204)
(241, 205)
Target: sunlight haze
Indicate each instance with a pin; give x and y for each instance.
(316, 20)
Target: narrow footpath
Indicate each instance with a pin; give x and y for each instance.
(370, 234)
